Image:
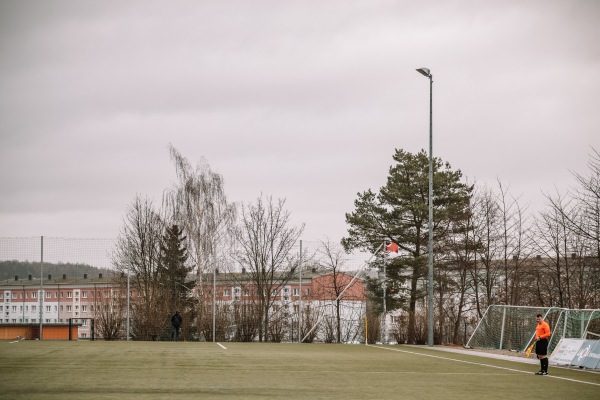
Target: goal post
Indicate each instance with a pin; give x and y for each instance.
(513, 327)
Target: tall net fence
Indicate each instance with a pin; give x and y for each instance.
(60, 280)
(55, 252)
(513, 327)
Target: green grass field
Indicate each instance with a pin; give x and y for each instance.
(186, 370)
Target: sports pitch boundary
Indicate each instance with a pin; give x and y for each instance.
(478, 363)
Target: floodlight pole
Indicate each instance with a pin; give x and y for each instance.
(41, 286)
(128, 304)
(384, 286)
(214, 305)
(426, 72)
(300, 296)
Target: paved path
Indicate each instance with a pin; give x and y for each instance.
(518, 358)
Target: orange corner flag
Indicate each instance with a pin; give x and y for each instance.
(392, 247)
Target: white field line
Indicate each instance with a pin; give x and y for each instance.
(481, 364)
(223, 347)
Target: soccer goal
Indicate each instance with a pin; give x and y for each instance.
(513, 327)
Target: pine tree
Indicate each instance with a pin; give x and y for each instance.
(172, 269)
(398, 213)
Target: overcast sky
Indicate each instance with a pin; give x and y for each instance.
(302, 100)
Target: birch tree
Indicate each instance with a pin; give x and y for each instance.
(198, 204)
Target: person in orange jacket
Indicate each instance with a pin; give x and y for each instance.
(542, 337)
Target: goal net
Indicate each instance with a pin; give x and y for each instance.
(513, 327)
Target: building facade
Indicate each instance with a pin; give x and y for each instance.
(54, 301)
(318, 298)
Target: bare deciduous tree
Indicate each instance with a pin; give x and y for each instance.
(582, 211)
(267, 240)
(137, 254)
(486, 272)
(110, 312)
(331, 260)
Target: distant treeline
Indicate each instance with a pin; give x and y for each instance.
(22, 269)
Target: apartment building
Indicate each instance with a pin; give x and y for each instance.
(54, 300)
(321, 296)
(59, 300)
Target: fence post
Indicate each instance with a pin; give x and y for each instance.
(502, 329)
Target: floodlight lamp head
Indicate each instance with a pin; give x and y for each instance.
(425, 71)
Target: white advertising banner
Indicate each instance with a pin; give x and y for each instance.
(583, 352)
(565, 351)
(592, 358)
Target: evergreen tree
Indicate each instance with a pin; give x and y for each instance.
(173, 270)
(399, 214)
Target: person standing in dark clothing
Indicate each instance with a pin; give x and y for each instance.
(176, 322)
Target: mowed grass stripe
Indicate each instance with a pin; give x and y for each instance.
(185, 370)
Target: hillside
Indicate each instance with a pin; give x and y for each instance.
(22, 269)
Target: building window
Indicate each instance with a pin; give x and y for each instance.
(307, 292)
(48, 295)
(296, 292)
(84, 295)
(14, 295)
(246, 292)
(69, 308)
(33, 309)
(286, 290)
(84, 308)
(48, 308)
(225, 292)
(14, 308)
(69, 295)
(34, 295)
